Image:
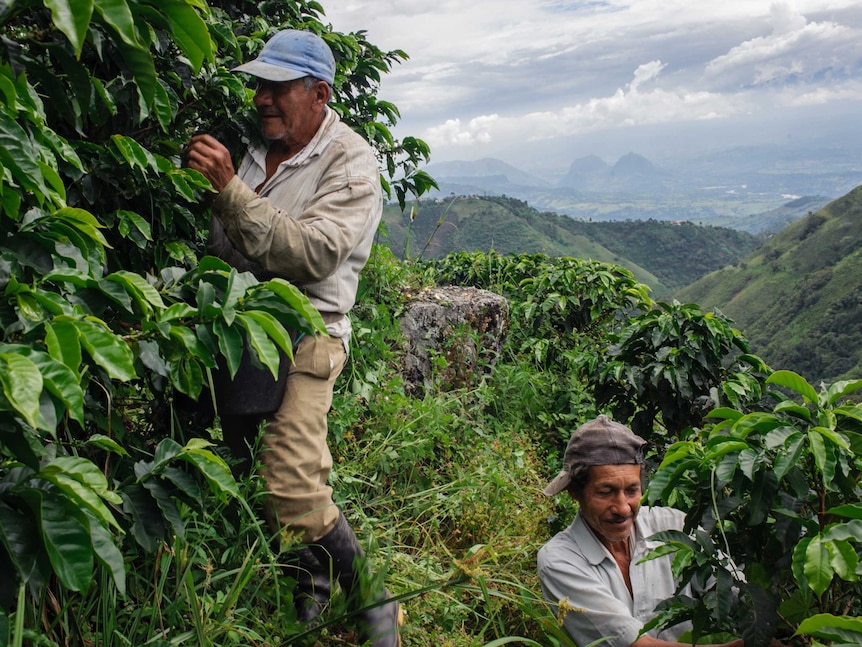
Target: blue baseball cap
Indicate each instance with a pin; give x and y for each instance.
(292, 54)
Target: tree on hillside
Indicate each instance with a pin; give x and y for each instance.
(108, 309)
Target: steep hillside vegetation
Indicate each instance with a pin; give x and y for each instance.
(663, 255)
(798, 298)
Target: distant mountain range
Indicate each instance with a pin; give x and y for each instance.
(725, 188)
(663, 255)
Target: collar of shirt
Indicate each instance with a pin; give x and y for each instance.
(593, 549)
(312, 148)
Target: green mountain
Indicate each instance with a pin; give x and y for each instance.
(664, 255)
(798, 297)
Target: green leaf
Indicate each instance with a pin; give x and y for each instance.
(187, 376)
(834, 437)
(87, 474)
(177, 178)
(795, 382)
(293, 297)
(148, 527)
(841, 389)
(850, 510)
(844, 560)
(145, 295)
(266, 350)
(513, 640)
(118, 15)
(190, 342)
(18, 534)
(760, 617)
(164, 498)
(107, 444)
(166, 451)
(793, 408)
(719, 446)
(65, 538)
(213, 467)
(787, 458)
(724, 413)
(60, 381)
(748, 462)
(61, 338)
(183, 481)
(230, 344)
(274, 329)
(108, 350)
(130, 219)
(22, 386)
(72, 17)
(818, 567)
(108, 554)
(140, 62)
(818, 449)
(763, 491)
(798, 561)
(238, 283)
(851, 530)
(178, 311)
(19, 155)
(163, 108)
(189, 30)
(135, 154)
(829, 627)
(83, 221)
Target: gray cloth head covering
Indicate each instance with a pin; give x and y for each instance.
(597, 442)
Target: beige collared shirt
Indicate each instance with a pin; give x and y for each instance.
(574, 565)
(312, 223)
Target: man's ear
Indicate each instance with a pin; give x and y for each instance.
(322, 93)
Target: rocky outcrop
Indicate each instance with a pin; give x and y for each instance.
(455, 335)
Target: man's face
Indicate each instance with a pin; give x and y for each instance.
(288, 111)
(609, 502)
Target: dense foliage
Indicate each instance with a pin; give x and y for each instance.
(778, 490)
(111, 317)
(120, 520)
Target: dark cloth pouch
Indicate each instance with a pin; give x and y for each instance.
(252, 391)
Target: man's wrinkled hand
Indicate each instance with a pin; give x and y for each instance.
(212, 159)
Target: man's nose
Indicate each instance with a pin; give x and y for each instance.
(622, 504)
(262, 96)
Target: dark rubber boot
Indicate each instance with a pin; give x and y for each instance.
(312, 592)
(376, 626)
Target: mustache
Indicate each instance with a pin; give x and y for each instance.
(620, 517)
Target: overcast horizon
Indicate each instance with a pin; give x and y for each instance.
(541, 83)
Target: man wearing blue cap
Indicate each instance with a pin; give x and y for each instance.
(305, 207)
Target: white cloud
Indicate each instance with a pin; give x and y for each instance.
(496, 72)
(626, 107)
(795, 48)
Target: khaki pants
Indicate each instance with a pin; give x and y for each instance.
(294, 453)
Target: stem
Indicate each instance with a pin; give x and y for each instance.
(18, 631)
(718, 523)
(440, 222)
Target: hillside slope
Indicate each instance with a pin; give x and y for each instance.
(663, 255)
(798, 298)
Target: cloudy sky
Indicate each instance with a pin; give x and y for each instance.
(531, 81)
